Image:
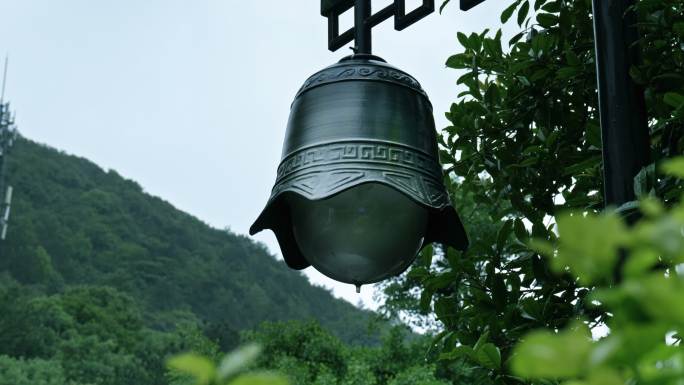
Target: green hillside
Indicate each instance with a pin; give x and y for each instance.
(100, 283)
(76, 224)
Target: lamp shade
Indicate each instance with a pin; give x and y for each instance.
(359, 188)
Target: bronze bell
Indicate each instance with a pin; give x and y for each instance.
(359, 189)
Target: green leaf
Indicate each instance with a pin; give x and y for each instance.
(651, 206)
(492, 47)
(418, 272)
(520, 231)
(663, 235)
(481, 341)
(508, 12)
(504, 233)
(426, 256)
(440, 281)
(653, 372)
(458, 352)
(589, 245)
(548, 355)
(513, 281)
(568, 72)
(636, 74)
(463, 39)
(640, 262)
(605, 376)
(201, 368)
(515, 39)
(541, 246)
(678, 28)
(260, 378)
(674, 99)
(539, 74)
(446, 310)
(674, 167)
(523, 11)
(531, 309)
(628, 208)
(660, 296)
(499, 291)
(489, 356)
(492, 94)
(237, 360)
(444, 4)
(443, 335)
(582, 166)
(644, 181)
(552, 7)
(547, 20)
(593, 134)
(425, 300)
(459, 61)
(466, 78)
(475, 41)
(572, 58)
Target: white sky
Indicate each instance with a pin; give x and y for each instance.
(190, 98)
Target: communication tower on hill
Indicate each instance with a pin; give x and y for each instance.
(8, 134)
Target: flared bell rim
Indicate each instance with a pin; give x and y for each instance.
(444, 226)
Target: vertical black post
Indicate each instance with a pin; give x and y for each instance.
(362, 29)
(624, 127)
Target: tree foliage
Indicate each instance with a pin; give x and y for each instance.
(86, 335)
(523, 146)
(645, 305)
(304, 353)
(75, 224)
(102, 284)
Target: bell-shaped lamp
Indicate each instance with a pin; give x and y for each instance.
(359, 189)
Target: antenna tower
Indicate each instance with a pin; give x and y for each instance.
(8, 134)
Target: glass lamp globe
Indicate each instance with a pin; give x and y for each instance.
(362, 235)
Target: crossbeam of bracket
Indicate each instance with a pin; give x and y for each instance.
(332, 9)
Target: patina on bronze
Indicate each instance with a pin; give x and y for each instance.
(360, 121)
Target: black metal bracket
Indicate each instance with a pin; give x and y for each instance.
(467, 4)
(332, 9)
(364, 20)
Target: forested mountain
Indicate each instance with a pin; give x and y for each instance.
(100, 283)
(76, 224)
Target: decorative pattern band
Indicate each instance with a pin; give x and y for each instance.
(361, 72)
(359, 152)
(322, 171)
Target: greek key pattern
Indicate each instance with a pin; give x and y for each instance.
(359, 152)
(331, 75)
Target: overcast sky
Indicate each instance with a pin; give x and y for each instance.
(190, 98)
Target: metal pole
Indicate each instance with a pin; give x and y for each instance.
(624, 127)
(362, 29)
(4, 128)
(4, 80)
